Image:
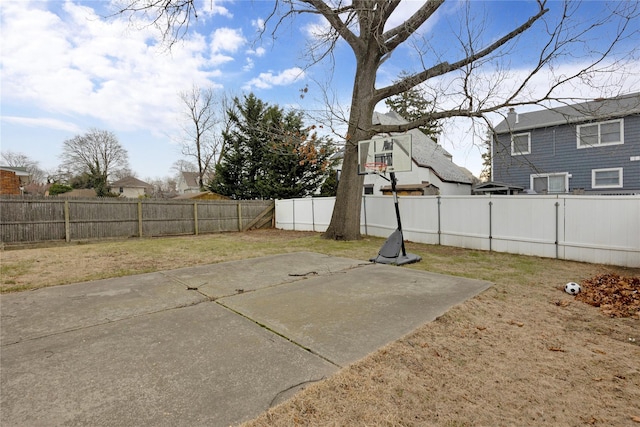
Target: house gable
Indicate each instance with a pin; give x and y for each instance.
(188, 182)
(431, 163)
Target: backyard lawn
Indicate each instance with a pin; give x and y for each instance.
(521, 353)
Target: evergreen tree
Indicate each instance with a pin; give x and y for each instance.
(485, 174)
(330, 185)
(269, 154)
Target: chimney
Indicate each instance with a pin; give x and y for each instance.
(512, 116)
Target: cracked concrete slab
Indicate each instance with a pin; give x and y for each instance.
(57, 309)
(347, 316)
(148, 350)
(248, 275)
(197, 366)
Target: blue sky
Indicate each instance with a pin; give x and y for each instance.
(66, 68)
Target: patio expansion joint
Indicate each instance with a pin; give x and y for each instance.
(105, 321)
(281, 335)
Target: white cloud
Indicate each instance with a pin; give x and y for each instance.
(44, 122)
(268, 80)
(249, 65)
(214, 7)
(317, 28)
(259, 51)
(95, 68)
(226, 40)
(258, 24)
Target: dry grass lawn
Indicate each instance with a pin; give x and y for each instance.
(523, 353)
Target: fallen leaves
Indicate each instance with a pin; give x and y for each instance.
(615, 295)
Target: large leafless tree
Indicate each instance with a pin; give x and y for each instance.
(97, 153)
(466, 70)
(204, 142)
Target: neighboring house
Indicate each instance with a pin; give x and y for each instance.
(131, 187)
(187, 182)
(433, 171)
(591, 147)
(13, 180)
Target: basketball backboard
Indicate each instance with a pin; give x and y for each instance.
(390, 154)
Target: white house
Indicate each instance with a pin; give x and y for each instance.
(187, 183)
(433, 171)
(130, 187)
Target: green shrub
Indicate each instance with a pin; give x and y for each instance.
(56, 189)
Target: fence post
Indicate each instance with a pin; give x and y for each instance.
(67, 226)
(490, 229)
(557, 231)
(439, 224)
(364, 208)
(139, 219)
(239, 216)
(293, 209)
(313, 216)
(195, 218)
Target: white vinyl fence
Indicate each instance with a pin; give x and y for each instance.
(597, 229)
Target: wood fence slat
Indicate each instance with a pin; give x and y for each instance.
(25, 220)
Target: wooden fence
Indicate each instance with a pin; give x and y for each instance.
(24, 220)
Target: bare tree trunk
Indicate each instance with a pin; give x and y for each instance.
(345, 220)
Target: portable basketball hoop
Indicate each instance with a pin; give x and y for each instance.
(379, 156)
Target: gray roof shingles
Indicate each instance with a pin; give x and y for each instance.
(600, 109)
(426, 152)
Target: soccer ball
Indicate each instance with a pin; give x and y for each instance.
(572, 288)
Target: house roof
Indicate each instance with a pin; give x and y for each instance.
(19, 171)
(191, 179)
(408, 187)
(496, 187)
(426, 152)
(600, 109)
(130, 182)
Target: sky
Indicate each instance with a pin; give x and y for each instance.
(67, 66)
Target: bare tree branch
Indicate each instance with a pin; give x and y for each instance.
(398, 35)
(445, 67)
(204, 143)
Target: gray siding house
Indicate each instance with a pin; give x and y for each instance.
(587, 148)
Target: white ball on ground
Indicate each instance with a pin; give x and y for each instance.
(572, 288)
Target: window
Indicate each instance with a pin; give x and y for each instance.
(550, 183)
(368, 189)
(606, 178)
(520, 144)
(599, 134)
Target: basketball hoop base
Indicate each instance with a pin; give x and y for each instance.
(391, 252)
